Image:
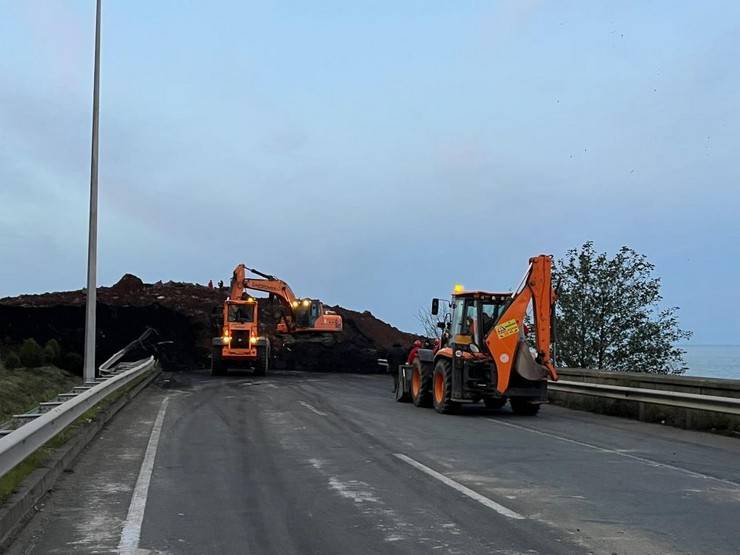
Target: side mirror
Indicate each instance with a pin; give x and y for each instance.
(435, 307)
(441, 325)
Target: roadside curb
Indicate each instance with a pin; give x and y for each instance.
(20, 507)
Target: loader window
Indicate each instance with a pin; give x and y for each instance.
(241, 313)
(465, 322)
(489, 313)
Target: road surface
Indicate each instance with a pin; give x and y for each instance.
(325, 463)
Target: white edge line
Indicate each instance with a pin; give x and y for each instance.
(644, 460)
(313, 409)
(131, 532)
(482, 499)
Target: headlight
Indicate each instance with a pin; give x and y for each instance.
(253, 340)
(294, 304)
(306, 302)
(227, 339)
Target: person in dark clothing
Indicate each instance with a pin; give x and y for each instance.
(396, 357)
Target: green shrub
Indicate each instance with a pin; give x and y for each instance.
(31, 354)
(52, 352)
(72, 362)
(12, 361)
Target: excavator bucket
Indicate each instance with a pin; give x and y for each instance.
(526, 366)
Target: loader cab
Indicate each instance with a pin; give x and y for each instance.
(473, 315)
(241, 312)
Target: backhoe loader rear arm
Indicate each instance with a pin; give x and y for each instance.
(505, 335)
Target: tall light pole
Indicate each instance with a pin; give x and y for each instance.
(92, 241)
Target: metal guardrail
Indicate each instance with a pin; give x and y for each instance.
(42, 426)
(724, 405)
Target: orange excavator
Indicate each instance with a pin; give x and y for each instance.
(240, 343)
(484, 354)
(300, 319)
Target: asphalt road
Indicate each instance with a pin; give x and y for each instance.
(322, 463)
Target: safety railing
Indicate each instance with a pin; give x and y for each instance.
(713, 403)
(25, 433)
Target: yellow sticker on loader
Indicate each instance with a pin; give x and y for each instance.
(506, 329)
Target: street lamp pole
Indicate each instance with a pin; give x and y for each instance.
(92, 241)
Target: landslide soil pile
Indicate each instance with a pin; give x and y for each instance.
(181, 312)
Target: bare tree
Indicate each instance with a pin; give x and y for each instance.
(429, 321)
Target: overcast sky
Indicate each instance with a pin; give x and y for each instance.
(375, 153)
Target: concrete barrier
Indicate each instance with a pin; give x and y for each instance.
(686, 402)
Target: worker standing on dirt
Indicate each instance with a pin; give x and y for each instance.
(413, 351)
(210, 284)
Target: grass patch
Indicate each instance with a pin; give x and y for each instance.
(12, 479)
(22, 389)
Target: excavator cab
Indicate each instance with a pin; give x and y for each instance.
(306, 312)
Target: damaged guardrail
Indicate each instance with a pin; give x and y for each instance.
(682, 401)
(24, 433)
(21, 442)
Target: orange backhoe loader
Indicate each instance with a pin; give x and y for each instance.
(484, 354)
(239, 343)
(300, 317)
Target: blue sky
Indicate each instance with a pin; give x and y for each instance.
(375, 153)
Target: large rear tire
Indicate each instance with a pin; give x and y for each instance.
(263, 361)
(442, 388)
(524, 407)
(217, 364)
(421, 384)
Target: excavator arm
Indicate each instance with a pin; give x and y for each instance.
(506, 337)
(270, 284)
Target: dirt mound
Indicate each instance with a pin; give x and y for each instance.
(181, 312)
(128, 284)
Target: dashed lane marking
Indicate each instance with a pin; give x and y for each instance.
(482, 499)
(131, 532)
(620, 453)
(313, 409)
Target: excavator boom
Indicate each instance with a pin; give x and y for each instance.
(305, 316)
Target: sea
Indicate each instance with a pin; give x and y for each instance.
(713, 361)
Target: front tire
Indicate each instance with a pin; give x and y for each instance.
(442, 383)
(263, 361)
(217, 364)
(524, 407)
(421, 384)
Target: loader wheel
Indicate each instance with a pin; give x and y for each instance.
(494, 402)
(524, 407)
(263, 361)
(217, 365)
(421, 385)
(443, 402)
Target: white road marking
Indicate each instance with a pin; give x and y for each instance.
(620, 453)
(482, 499)
(313, 409)
(131, 532)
